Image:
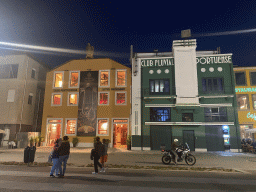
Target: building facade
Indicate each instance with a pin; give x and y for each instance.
(245, 79)
(87, 98)
(184, 94)
(22, 82)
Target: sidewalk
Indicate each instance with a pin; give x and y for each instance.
(81, 157)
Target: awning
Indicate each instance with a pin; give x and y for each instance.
(251, 130)
(2, 131)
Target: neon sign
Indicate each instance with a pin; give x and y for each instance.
(252, 116)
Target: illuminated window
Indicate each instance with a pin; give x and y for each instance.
(159, 86)
(121, 78)
(74, 79)
(215, 114)
(72, 99)
(254, 101)
(103, 98)
(71, 126)
(56, 99)
(120, 98)
(58, 79)
(243, 102)
(102, 127)
(104, 78)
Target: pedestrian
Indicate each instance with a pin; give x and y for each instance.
(97, 154)
(104, 157)
(64, 151)
(55, 160)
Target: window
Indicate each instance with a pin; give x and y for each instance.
(72, 99)
(74, 78)
(120, 98)
(103, 98)
(56, 99)
(254, 101)
(9, 71)
(187, 117)
(120, 78)
(102, 127)
(30, 97)
(160, 114)
(58, 79)
(33, 74)
(159, 86)
(212, 85)
(104, 78)
(253, 78)
(71, 126)
(11, 95)
(243, 102)
(240, 78)
(218, 114)
(246, 132)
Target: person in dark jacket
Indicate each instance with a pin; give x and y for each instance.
(104, 157)
(55, 160)
(98, 153)
(64, 151)
(173, 150)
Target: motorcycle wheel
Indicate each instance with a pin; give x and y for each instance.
(190, 159)
(166, 160)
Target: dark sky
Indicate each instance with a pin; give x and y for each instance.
(113, 26)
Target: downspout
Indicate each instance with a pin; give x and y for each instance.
(39, 99)
(24, 91)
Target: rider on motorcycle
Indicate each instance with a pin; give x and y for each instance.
(173, 149)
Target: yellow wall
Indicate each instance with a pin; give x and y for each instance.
(64, 111)
(242, 114)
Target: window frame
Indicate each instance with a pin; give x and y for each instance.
(69, 93)
(56, 93)
(214, 114)
(248, 102)
(33, 69)
(69, 79)
(97, 128)
(125, 92)
(160, 108)
(159, 93)
(253, 102)
(245, 80)
(212, 92)
(30, 95)
(66, 125)
(125, 78)
(48, 123)
(108, 77)
(193, 120)
(99, 97)
(53, 85)
(251, 78)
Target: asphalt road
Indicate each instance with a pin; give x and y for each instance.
(23, 178)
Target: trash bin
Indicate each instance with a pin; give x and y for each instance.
(32, 153)
(26, 154)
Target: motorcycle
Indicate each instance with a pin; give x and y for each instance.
(183, 152)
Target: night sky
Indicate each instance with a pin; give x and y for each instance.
(113, 26)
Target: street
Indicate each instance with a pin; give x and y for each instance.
(23, 178)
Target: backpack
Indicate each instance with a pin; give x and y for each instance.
(92, 154)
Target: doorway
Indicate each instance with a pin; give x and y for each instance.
(120, 131)
(189, 138)
(53, 131)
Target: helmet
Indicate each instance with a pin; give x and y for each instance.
(176, 140)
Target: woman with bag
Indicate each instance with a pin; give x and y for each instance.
(55, 160)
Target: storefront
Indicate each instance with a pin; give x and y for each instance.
(245, 78)
(184, 94)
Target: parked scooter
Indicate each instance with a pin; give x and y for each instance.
(183, 152)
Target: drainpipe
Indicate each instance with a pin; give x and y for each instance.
(39, 98)
(24, 91)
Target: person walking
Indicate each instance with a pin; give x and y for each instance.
(97, 154)
(104, 157)
(55, 160)
(64, 151)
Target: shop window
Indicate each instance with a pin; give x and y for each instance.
(246, 132)
(30, 98)
(212, 85)
(187, 117)
(121, 78)
(102, 127)
(240, 78)
(104, 78)
(217, 114)
(160, 114)
(72, 99)
(120, 98)
(243, 102)
(33, 74)
(58, 79)
(71, 126)
(253, 78)
(103, 98)
(74, 79)
(56, 99)
(159, 86)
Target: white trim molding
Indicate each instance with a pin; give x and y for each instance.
(53, 84)
(106, 70)
(189, 123)
(159, 105)
(117, 70)
(216, 96)
(146, 148)
(167, 97)
(136, 148)
(200, 150)
(217, 105)
(69, 79)
(82, 144)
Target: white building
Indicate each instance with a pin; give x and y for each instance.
(22, 82)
